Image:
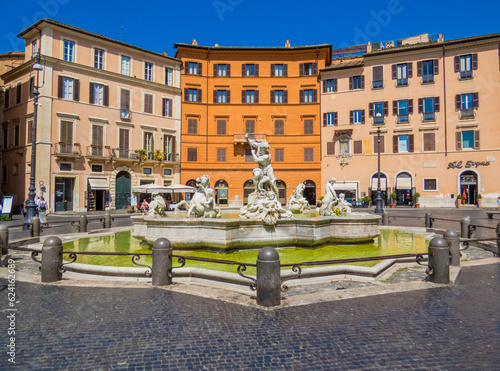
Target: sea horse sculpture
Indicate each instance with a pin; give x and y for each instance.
(202, 204)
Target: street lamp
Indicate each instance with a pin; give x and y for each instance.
(30, 205)
(379, 204)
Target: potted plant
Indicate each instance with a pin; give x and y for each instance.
(416, 195)
(459, 201)
(143, 154)
(393, 196)
(479, 200)
(366, 201)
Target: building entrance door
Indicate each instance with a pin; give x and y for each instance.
(123, 189)
(310, 192)
(404, 187)
(468, 187)
(64, 194)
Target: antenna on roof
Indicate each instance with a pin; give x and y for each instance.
(121, 30)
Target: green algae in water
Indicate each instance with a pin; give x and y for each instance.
(390, 242)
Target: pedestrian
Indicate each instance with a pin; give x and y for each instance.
(144, 206)
(25, 210)
(498, 203)
(42, 210)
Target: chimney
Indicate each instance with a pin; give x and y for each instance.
(369, 47)
(194, 42)
(165, 52)
(440, 38)
(389, 44)
(287, 44)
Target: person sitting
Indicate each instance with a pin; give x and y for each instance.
(144, 207)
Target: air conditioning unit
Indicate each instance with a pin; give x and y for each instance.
(125, 114)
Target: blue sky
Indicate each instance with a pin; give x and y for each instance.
(157, 25)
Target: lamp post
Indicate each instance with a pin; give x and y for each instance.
(379, 205)
(30, 205)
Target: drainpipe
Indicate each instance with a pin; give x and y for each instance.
(206, 135)
(444, 106)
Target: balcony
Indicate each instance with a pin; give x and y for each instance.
(428, 116)
(466, 74)
(378, 84)
(99, 151)
(65, 150)
(240, 137)
(467, 113)
(427, 79)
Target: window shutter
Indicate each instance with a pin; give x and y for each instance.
(419, 68)
(382, 144)
(410, 106)
(163, 107)
(272, 69)
(243, 69)
(457, 64)
(106, 95)
(395, 147)
(378, 73)
(63, 132)
(256, 96)
(410, 143)
(285, 96)
(370, 110)
(410, 69)
(256, 70)
(228, 96)
(362, 116)
(216, 71)
(330, 148)
(186, 67)
(362, 81)
(272, 96)
(421, 105)
(125, 99)
(475, 100)
(91, 93)
(334, 84)
(215, 97)
(325, 122)
(76, 90)
(186, 94)
(199, 69)
(301, 96)
(301, 69)
(315, 68)
(324, 86)
(395, 107)
(228, 70)
(386, 108)
(285, 70)
(350, 83)
(435, 64)
(315, 95)
(351, 117)
(458, 102)
(476, 139)
(335, 119)
(174, 149)
(198, 96)
(170, 112)
(59, 88)
(358, 147)
(394, 71)
(474, 61)
(458, 137)
(243, 96)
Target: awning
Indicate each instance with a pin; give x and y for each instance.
(151, 188)
(403, 183)
(383, 184)
(179, 188)
(99, 184)
(351, 186)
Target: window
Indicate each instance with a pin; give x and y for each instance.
(7, 98)
(221, 155)
(308, 154)
(192, 68)
(249, 96)
(167, 172)
(330, 118)
(378, 77)
(465, 64)
(378, 110)
(279, 127)
(123, 150)
(279, 155)
(222, 70)
(192, 126)
(308, 96)
(192, 95)
(356, 82)
(167, 107)
(169, 147)
(466, 104)
(468, 139)
(192, 154)
(169, 76)
(16, 135)
(250, 126)
(69, 88)
(330, 148)
(358, 147)
(357, 116)
(279, 70)
(97, 140)
(148, 142)
(428, 108)
(429, 141)
(427, 70)
(330, 86)
(248, 155)
(99, 94)
(66, 137)
(401, 109)
(308, 127)
(430, 184)
(221, 127)
(5, 137)
(125, 65)
(147, 170)
(222, 96)
(148, 71)
(250, 70)
(32, 84)
(98, 58)
(375, 144)
(308, 69)
(401, 73)
(148, 103)
(344, 146)
(29, 132)
(97, 168)
(4, 174)
(125, 104)
(18, 93)
(279, 96)
(69, 51)
(34, 49)
(403, 143)
(65, 166)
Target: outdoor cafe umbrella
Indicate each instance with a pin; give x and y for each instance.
(151, 188)
(179, 188)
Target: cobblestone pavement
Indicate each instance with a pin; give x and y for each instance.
(445, 328)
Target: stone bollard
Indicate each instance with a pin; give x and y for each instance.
(428, 220)
(464, 227)
(439, 260)
(4, 240)
(35, 226)
(83, 223)
(498, 239)
(107, 221)
(385, 218)
(268, 277)
(454, 242)
(162, 262)
(51, 259)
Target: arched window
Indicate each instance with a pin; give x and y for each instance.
(310, 192)
(281, 191)
(404, 189)
(221, 192)
(248, 188)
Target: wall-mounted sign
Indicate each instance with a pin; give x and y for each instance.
(468, 164)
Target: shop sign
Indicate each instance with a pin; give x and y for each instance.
(468, 164)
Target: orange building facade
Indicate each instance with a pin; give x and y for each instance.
(270, 93)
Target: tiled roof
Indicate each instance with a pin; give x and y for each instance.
(281, 48)
(341, 64)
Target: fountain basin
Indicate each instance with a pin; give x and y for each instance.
(234, 233)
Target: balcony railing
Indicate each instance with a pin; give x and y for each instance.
(429, 116)
(427, 79)
(466, 74)
(240, 137)
(96, 150)
(403, 118)
(62, 148)
(378, 84)
(467, 113)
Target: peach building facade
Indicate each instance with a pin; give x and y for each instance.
(271, 93)
(108, 120)
(437, 106)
